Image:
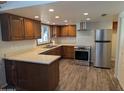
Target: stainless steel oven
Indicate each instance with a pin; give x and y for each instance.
(83, 54)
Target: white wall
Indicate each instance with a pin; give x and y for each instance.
(119, 70)
(12, 47)
(87, 38)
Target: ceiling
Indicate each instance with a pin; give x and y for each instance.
(72, 11)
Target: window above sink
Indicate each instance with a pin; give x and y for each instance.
(45, 35)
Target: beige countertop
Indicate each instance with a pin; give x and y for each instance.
(34, 55)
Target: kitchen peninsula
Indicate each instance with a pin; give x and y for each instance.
(32, 70)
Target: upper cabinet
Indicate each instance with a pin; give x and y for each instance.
(72, 30)
(12, 27)
(16, 28)
(63, 31)
(68, 31)
(55, 31)
(37, 29)
(19, 28)
(29, 31)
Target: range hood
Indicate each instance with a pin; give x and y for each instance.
(84, 26)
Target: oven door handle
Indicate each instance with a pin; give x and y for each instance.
(82, 50)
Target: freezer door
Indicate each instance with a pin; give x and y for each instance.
(103, 35)
(103, 55)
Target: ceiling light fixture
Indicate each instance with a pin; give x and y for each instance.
(87, 19)
(36, 16)
(51, 10)
(65, 21)
(85, 13)
(57, 17)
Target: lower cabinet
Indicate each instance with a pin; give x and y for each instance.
(32, 76)
(63, 51)
(55, 51)
(11, 73)
(68, 52)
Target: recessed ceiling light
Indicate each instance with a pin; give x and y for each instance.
(51, 10)
(66, 21)
(36, 16)
(88, 19)
(85, 13)
(57, 17)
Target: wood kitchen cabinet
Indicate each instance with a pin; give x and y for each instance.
(11, 73)
(32, 76)
(55, 51)
(12, 27)
(63, 51)
(37, 29)
(68, 31)
(15, 27)
(29, 31)
(55, 31)
(72, 30)
(68, 51)
(64, 31)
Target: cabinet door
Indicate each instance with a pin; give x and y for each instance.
(68, 51)
(56, 31)
(37, 29)
(11, 73)
(58, 51)
(2, 73)
(64, 31)
(29, 31)
(65, 52)
(17, 28)
(72, 30)
(51, 31)
(32, 76)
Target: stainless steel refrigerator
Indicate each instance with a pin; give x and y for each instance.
(103, 48)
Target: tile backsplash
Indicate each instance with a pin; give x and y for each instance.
(85, 38)
(66, 40)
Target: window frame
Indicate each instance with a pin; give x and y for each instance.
(42, 25)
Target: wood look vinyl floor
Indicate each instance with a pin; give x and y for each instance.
(75, 77)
